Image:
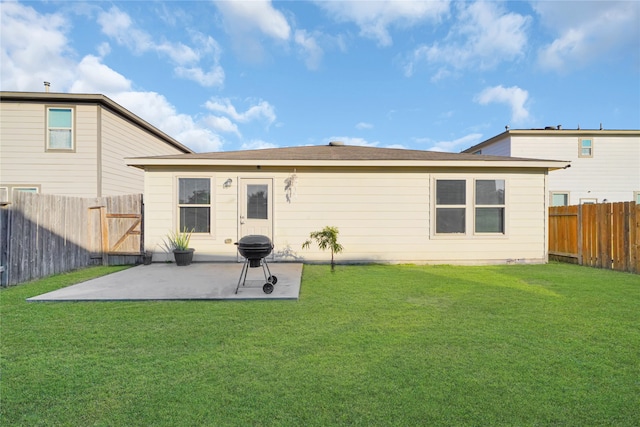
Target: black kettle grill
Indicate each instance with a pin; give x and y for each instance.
(255, 248)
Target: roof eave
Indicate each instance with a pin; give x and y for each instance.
(143, 163)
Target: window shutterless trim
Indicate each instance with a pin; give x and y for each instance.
(194, 205)
(581, 147)
(47, 128)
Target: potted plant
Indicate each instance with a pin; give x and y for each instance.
(327, 238)
(178, 243)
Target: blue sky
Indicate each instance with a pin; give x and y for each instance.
(428, 75)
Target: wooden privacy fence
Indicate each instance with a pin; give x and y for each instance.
(48, 234)
(605, 235)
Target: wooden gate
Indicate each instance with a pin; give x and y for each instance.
(115, 232)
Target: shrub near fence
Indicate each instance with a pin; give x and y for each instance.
(605, 235)
(48, 234)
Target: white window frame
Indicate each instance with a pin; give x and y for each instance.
(470, 208)
(588, 201)
(50, 128)
(580, 147)
(636, 197)
(194, 205)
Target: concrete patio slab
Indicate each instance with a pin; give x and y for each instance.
(198, 281)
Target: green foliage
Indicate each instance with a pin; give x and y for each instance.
(327, 238)
(376, 345)
(177, 240)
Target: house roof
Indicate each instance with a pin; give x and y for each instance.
(82, 98)
(552, 132)
(340, 155)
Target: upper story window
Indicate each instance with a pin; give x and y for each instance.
(194, 204)
(60, 128)
(585, 147)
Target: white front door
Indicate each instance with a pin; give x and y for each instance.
(256, 207)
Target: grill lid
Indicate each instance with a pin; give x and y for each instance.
(255, 241)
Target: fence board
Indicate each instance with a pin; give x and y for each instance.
(604, 235)
(50, 234)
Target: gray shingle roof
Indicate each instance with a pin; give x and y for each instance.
(339, 153)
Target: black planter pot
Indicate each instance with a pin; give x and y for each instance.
(183, 257)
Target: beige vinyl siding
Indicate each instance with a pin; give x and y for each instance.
(383, 215)
(24, 157)
(499, 148)
(613, 173)
(121, 139)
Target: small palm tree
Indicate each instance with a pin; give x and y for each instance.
(326, 238)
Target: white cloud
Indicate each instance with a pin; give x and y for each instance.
(363, 125)
(456, 145)
(594, 31)
(254, 15)
(514, 97)
(257, 144)
(261, 110)
(375, 17)
(247, 22)
(155, 109)
(484, 35)
(94, 77)
(29, 40)
(309, 49)
(222, 124)
(119, 26)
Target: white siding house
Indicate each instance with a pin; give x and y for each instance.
(389, 205)
(74, 145)
(605, 164)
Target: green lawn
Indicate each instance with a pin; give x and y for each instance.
(367, 345)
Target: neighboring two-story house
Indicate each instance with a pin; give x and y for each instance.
(605, 164)
(74, 145)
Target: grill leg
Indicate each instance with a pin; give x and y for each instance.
(243, 274)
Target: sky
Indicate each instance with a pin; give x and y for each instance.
(426, 75)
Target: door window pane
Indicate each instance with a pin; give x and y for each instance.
(257, 201)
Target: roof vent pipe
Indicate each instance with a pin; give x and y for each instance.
(46, 86)
(559, 127)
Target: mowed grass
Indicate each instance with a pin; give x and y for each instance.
(374, 345)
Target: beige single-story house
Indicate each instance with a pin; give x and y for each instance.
(390, 205)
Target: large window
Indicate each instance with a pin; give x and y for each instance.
(465, 204)
(59, 128)
(194, 203)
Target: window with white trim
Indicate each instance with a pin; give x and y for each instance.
(194, 204)
(470, 204)
(636, 197)
(585, 147)
(60, 128)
